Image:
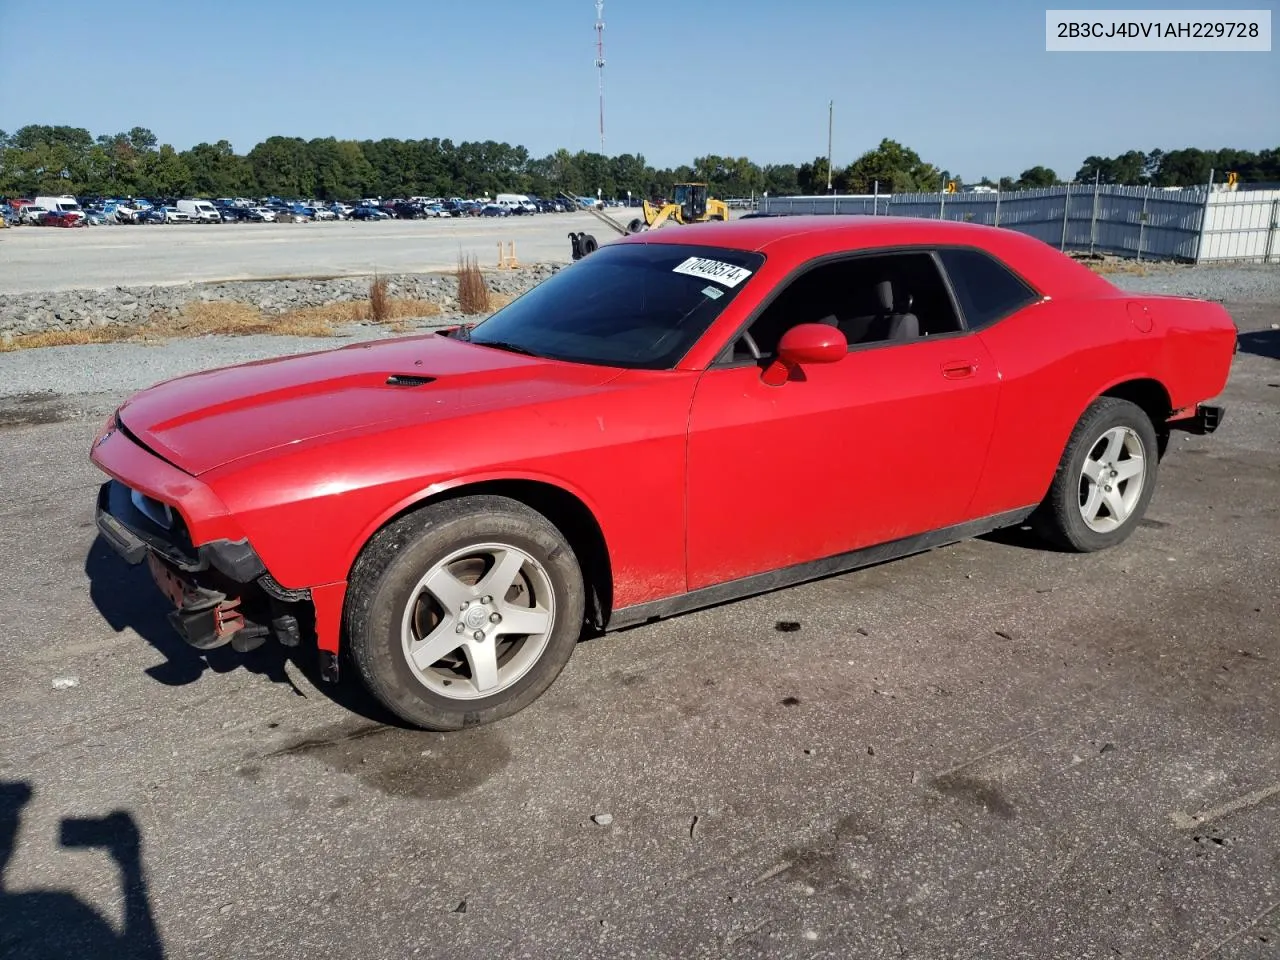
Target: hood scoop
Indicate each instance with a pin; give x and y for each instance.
(408, 380)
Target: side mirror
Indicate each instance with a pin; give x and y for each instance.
(803, 344)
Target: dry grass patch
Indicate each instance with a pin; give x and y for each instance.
(473, 292)
(67, 338)
(378, 299)
(228, 318)
(396, 308)
(1129, 267)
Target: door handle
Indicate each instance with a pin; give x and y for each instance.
(959, 369)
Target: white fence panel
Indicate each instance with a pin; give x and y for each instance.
(1192, 224)
(1242, 226)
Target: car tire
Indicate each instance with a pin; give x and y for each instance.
(589, 244)
(1104, 481)
(418, 587)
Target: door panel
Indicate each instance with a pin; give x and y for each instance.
(886, 443)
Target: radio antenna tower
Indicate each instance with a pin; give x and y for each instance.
(600, 64)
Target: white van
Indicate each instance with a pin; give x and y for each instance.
(63, 204)
(513, 200)
(201, 211)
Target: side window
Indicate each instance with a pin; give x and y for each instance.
(871, 299)
(986, 290)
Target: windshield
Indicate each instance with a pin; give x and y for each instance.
(626, 305)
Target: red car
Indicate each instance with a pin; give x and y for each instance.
(684, 417)
(62, 218)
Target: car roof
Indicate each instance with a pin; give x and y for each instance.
(796, 239)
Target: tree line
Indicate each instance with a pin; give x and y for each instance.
(38, 159)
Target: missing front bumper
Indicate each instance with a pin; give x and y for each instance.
(203, 617)
(221, 591)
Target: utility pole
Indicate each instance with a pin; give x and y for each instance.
(600, 65)
(830, 116)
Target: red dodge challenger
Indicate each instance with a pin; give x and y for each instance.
(684, 417)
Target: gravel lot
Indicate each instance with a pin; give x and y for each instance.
(34, 260)
(990, 750)
(1253, 283)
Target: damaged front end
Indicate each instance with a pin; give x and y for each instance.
(221, 591)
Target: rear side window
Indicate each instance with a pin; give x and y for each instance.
(986, 289)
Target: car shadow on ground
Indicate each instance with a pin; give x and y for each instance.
(128, 600)
(1263, 343)
(39, 924)
(1021, 535)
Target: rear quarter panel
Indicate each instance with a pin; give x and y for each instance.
(1057, 356)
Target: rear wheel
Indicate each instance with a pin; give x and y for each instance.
(1104, 481)
(464, 612)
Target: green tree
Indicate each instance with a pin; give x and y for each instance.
(216, 170)
(812, 176)
(281, 167)
(781, 179)
(1036, 177)
(1184, 168)
(896, 168)
(164, 174)
(142, 140)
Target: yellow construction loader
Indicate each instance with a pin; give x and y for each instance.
(689, 205)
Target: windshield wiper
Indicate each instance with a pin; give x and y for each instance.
(506, 345)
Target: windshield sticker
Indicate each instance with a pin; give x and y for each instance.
(723, 273)
(715, 293)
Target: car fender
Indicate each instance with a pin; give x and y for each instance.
(455, 484)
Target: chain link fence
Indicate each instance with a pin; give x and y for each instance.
(1196, 224)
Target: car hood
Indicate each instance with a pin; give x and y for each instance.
(207, 420)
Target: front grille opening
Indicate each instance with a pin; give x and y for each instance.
(408, 380)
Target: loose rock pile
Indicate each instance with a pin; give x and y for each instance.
(81, 309)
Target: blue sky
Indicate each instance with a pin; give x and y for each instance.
(969, 86)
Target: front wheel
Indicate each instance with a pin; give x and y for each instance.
(464, 612)
(1104, 481)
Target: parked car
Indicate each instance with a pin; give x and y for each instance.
(369, 213)
(405, 210)
(954, 379)
(494, 210)
(126, 213)
(62, 218)
(170, 214)
(260, 215)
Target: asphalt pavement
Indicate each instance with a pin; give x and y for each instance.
(989, 750)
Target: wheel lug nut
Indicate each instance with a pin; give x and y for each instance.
(461, 628)
(465, 604)
(478, 635)
(1107, 488)
(486, 599)
(495, 618)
